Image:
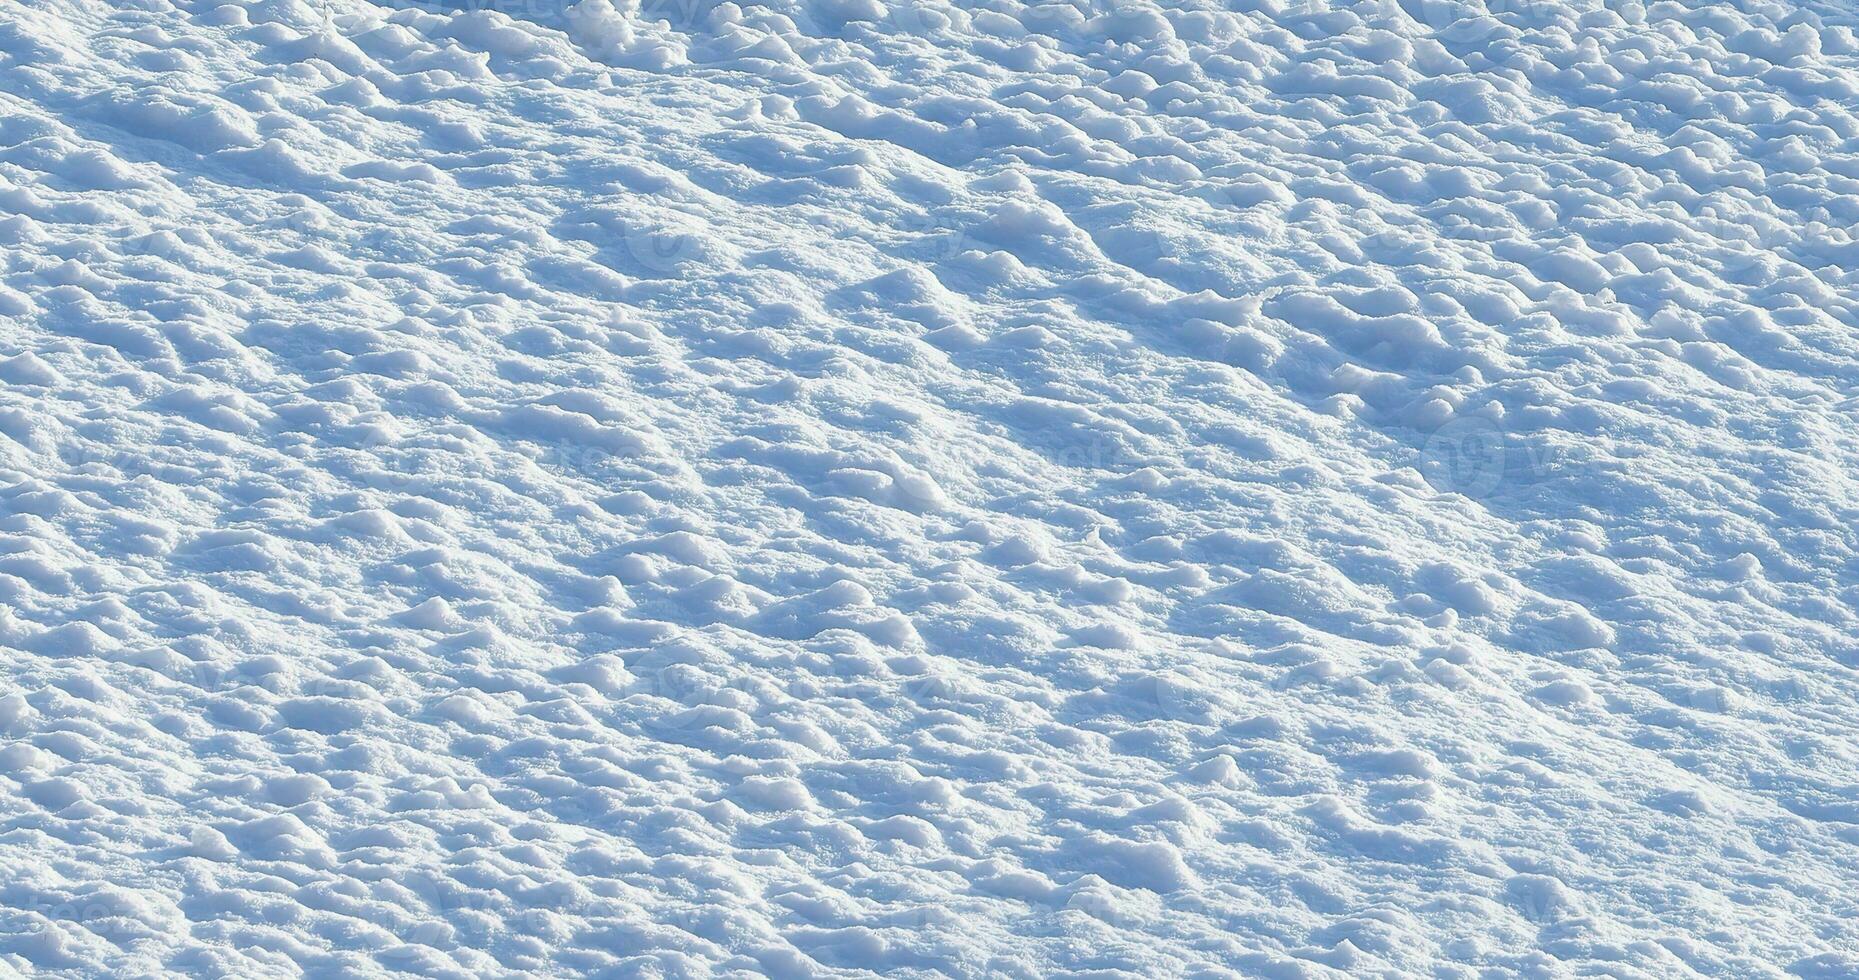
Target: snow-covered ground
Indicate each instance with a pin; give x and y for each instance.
(1226, 487)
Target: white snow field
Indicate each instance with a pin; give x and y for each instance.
(833, 487)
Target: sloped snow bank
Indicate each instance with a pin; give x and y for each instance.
(831, 487)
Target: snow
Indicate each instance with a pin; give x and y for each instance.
(824, 487)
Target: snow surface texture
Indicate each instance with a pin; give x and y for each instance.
(823, 487)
